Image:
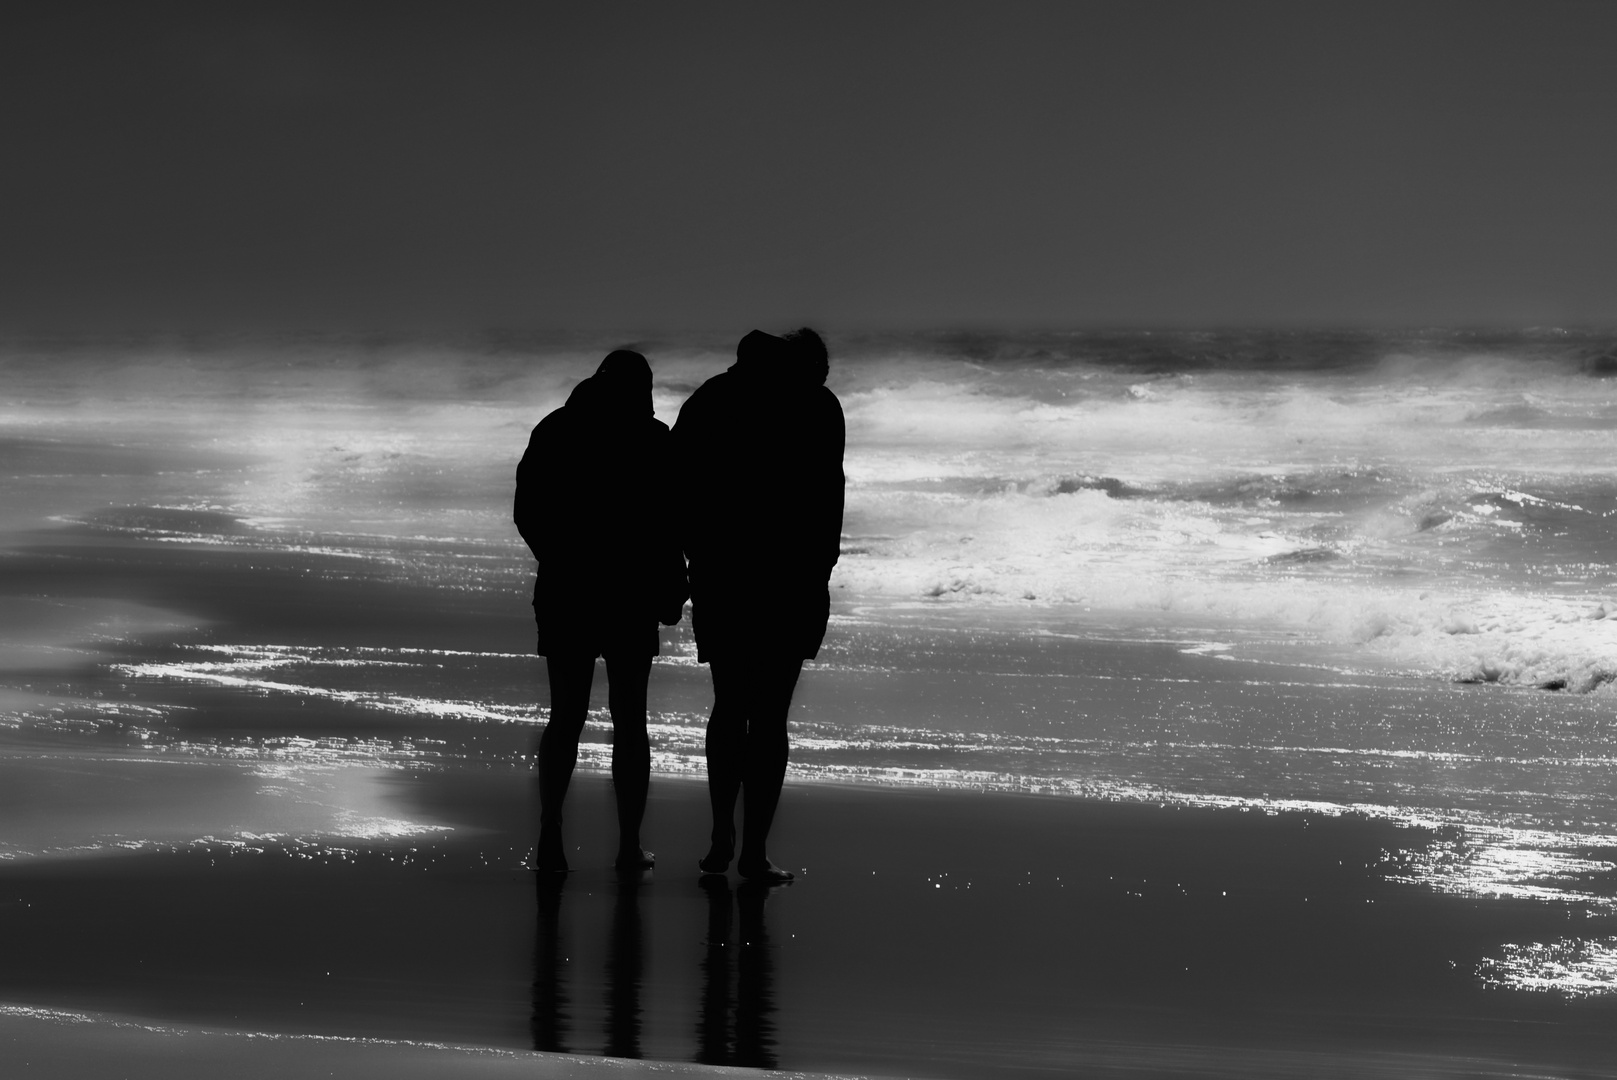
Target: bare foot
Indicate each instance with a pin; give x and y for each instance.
(550, 857)
(764, 871)
(634, 858)
(718, 856)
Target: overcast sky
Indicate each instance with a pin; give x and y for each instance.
(668, 165)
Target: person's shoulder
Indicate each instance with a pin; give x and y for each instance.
(552, 421)
(825, 402)
(711, 394)
(721, 383)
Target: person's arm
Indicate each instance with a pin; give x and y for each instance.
(669, 568)
(534, 472)
(690, 474)
(833, 481)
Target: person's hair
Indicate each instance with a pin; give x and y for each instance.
(808, 350)
(620, 387)
(625, 365)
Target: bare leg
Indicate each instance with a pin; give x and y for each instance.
(764, 764)
(570, 679)
(726, 744)
(631, 753)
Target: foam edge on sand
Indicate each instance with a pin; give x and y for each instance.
(45, 1042)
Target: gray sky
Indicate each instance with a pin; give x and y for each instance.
(658, 166)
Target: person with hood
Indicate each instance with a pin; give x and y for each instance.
(760, 448)
(592, 503)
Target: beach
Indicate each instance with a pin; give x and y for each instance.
(928, 934)
(1219, 672)
(1122, 755)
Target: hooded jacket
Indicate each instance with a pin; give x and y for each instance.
(592, 503)
(760, 452)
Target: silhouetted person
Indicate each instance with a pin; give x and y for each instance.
(592, 504)
(760, 446)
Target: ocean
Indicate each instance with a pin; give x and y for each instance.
(1350, 572)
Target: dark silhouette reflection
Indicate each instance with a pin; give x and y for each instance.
(755, 982)
(713, 1029)
(550, 1005)
(761, 445)
(552, 1021)
(749, 1040)
(625, 970)
(592, 503)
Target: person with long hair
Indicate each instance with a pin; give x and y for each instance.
(592, 503)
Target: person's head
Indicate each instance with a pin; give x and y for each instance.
(761, 354)
(621, 386)
(799, 358)
(625, 368)
(809, 355)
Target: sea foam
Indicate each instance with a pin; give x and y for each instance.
(1382, 492)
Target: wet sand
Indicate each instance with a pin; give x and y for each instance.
(929, 934)
(45, 1044)
(361, 889)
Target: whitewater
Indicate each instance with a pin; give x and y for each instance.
(1436, 503)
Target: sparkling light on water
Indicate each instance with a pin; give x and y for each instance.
(1573, 967)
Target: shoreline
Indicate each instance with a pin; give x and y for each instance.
(47, 1043)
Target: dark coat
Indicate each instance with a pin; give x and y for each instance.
(760, 456)
(592, 502)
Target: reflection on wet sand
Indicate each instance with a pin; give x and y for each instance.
(736, 1022)
(625, 969)
(550, 1003)
(713, 1027)
(750, 1039)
